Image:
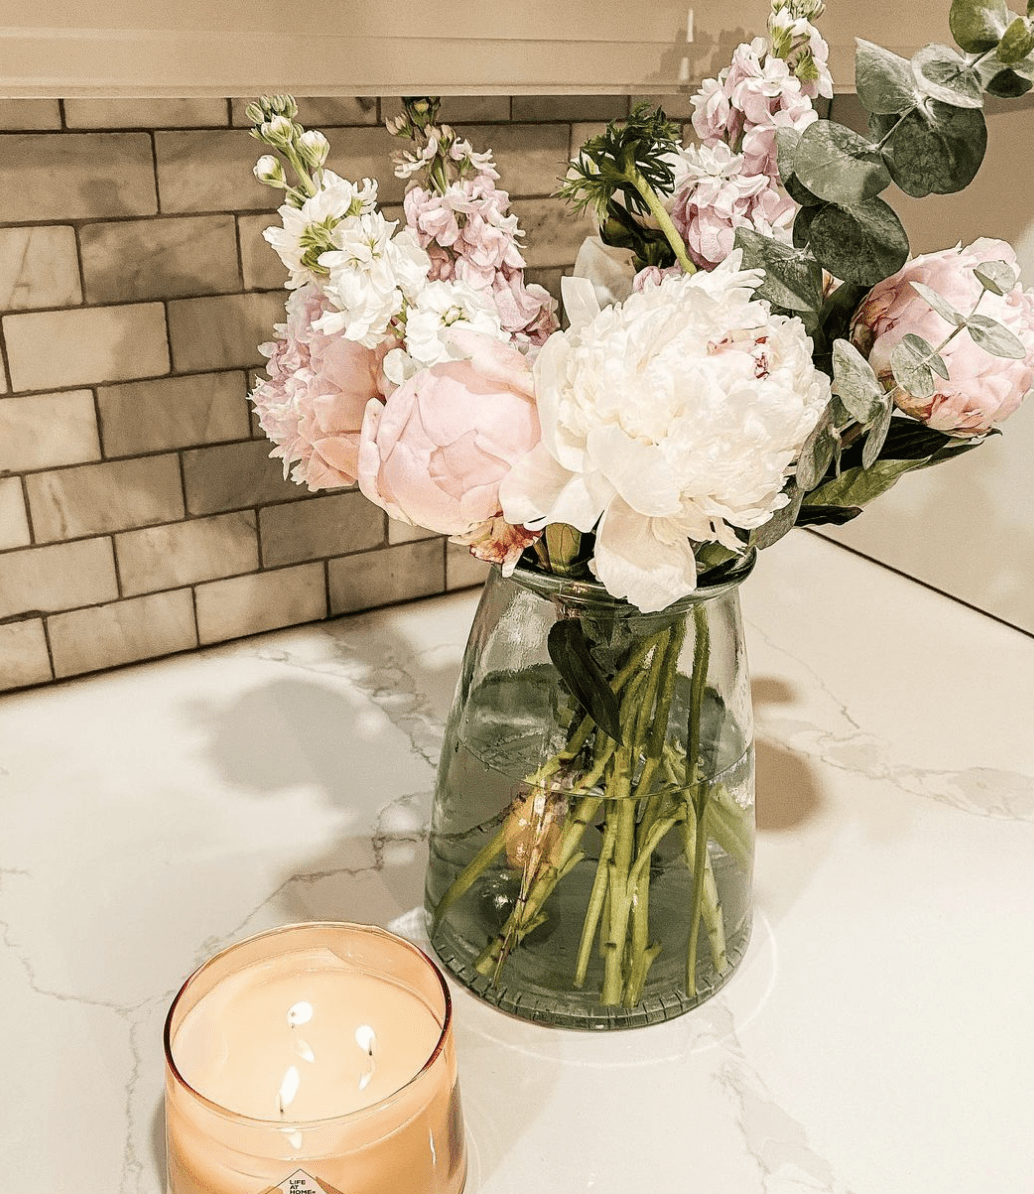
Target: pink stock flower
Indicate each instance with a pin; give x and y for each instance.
(313, 402)
(982, 389)
(435, 453)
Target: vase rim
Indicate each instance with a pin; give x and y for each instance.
(592, 592)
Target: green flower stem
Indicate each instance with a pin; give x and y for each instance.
(698, 791)
(660, 214)
(595, 906)
(466, 879)
(305, 183)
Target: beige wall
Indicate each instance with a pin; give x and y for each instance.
(967, 527)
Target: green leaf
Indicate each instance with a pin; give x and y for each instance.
(855, 382)
(1017, 42)
(877, 436)
(910, 363)
(569, 651)
(884, 81)
(838, 165)
(997, 276)
(1008, 84)
(827, 515)
(947, 77)
(793, 278)
(994, 338)
(936, 149)
(943, 308)
(858, 486)
(864, 243)
(977, 25)
(802, 227)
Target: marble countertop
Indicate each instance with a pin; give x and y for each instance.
(878, 1038)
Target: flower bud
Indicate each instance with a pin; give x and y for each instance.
(314, 147)
(269, 170)
(278, 132)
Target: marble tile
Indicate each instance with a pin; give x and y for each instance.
(318, 112)
(262, 268)
(38, 268)
(235, 476)
(29, 114)
(263, 601)
(24, 658)
(51, 349)
(173, 412)
(63, 576)
(458, 109)
(462, 570)
(331, 525)
(135, 260)
(554, 232)
(402, 532)
(210, 171)
(531, 158)
(184, 553)
(146, 113)
(14, 520)
(87, 640)
(224, 331)
(569, 107)
(384, 577)
(47, 431)
(76, 176)
(113, 496)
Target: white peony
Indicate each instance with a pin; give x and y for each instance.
(371, 273)
(440, 306)
(667, 420)
(308, 230)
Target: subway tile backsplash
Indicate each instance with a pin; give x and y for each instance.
(140, 512)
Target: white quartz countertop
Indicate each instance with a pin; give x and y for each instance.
(878, 1038)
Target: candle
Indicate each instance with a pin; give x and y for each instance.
(313, 1059)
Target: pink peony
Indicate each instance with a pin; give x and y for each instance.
(313, 402)
(435, 453)
(982, 389)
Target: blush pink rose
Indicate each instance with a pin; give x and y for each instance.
(434, 454)
(982, 389)
(313, 402)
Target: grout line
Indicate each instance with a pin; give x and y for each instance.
(922, 583)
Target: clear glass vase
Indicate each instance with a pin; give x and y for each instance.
(592, 836)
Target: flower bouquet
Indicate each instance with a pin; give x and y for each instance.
(749, 348)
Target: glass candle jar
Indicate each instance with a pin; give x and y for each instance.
(314, 1059)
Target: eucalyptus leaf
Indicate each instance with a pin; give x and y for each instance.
(782, 521)
(802, 227)
(787, 140)
(911, 367)
(908, 439)
(858, 486)
(947, 77)
(816, 455)
(839, 165)
(570, 654)
(854, 381)
(1017, 42)
(995, 338)
(883, 80)
(877, 436)
(978, 25)
(827, 515)
(936, 149)
(997, 276)
(1008, 84)
(864, 243)
(943, 308)
(793, 278)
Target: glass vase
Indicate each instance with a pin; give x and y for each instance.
(592, 836)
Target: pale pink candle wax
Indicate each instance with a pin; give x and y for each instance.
(314, 1059)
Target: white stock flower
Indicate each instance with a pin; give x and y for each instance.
(370, 275)
(669, 419)
(440, 306)
(308, 230)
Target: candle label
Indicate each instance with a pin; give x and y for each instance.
(301, 1182)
